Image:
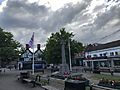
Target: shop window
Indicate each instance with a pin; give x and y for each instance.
(117, 62)
(88, 64)
(103, 64)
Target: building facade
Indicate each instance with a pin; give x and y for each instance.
(26, 59)
(105, 56)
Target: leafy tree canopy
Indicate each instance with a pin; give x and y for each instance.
(9, 48)
(52, 51)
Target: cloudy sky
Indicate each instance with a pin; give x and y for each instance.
(92, 21)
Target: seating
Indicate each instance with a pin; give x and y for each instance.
(29, 81)
(49, 88)
(25, 77)
(97, 87)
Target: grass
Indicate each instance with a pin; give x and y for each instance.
(109, 77)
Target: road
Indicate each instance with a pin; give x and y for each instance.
(8, 81)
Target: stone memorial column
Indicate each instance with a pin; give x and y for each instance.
(64, 67)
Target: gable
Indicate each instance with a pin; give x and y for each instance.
(27, 54)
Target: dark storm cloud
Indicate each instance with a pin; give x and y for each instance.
(105, 17)
(101, 22)
(22, 18)
(63, 16)
(22, 14)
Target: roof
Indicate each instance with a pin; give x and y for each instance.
(94, 47)
(38, 50)
(25, 52)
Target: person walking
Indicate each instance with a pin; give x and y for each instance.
(4, 70)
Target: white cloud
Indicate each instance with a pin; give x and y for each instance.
(3, 4)
(90, 20)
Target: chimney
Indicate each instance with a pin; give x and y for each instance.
(38, 46)
(27, 46)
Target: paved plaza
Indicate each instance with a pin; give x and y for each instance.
(8, 81)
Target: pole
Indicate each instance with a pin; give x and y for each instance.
(33, 57)
(69, 54)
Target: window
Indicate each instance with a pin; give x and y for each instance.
(100, 55)
(94, 55)
(111, 53)
(88, 56)
(116, 53)
(117, 62)
(104, 54)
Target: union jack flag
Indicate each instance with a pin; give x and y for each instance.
(31, 41)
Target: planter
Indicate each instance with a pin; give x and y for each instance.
(80, 78)
(74, 85)
(109, 83)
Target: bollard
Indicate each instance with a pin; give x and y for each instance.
(90, 87)
(33, 82)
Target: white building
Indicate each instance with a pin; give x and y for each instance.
(105, 56)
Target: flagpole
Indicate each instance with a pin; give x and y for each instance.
(33, 58)
(69, 55)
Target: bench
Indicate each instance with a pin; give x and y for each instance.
(42, 81)
(49, 88)
(96, 87)
(29, 81)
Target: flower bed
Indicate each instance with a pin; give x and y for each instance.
(109, 83)
(80, 78)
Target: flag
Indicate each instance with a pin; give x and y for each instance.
(31, 41)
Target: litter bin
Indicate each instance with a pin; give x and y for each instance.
(74, 85)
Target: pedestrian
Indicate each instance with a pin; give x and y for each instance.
(111, 71)
(4, 70)
(85, 70)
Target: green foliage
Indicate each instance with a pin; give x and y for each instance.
(9, 48)
(52, 52)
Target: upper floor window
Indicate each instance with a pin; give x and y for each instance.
(100, 55)
(111, 53)
(105, 54)
(116, 53)
(94, 55)
(88, 56)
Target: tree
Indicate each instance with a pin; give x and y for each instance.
(52, 52)
(9, 48)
